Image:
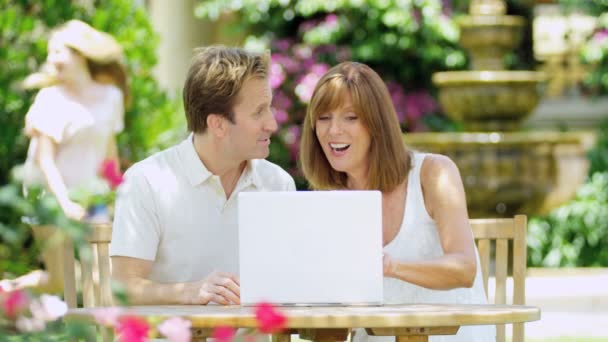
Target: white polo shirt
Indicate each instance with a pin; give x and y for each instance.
(173, 211)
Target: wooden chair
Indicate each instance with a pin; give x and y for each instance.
(96, 288)
(95, 274)
(495, 234)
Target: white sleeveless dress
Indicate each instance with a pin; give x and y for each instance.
(418, 239)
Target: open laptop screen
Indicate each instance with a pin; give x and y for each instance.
(310, 247)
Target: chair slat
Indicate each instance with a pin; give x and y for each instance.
(69, 274)
(483, 247)
(519, 271)
(502, 231)
(502, 261)
(103, 251)
(88, 287)
(519, 254)
(485, 230)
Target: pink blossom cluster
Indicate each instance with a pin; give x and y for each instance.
(294, 72)
(27, 313)
(131, 328)
(410, 107)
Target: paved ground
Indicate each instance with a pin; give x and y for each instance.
(573, 302)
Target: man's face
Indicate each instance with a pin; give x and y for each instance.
(254, 122)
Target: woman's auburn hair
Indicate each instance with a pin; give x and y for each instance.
(389, 158)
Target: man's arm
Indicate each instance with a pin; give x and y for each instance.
(133, 273)
(135, 238)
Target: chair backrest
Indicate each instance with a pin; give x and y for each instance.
(94, 269)
(494, 235)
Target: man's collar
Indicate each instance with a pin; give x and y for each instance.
(197, 172)
(194, 168)
(250, 174)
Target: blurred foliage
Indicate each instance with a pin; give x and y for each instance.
(599, 155)
(595, 51)
(576, 234)
(593, 7)
(24, 28)
(402, 40)
(152, 122)
(17, 254)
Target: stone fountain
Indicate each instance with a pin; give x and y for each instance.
(504, 170)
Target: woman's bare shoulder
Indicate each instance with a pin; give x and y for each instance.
(435, 165)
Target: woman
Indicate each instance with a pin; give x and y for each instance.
(352, 140)
(73, 121)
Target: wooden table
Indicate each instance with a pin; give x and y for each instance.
(410, 322)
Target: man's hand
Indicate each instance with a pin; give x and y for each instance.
(219, 287)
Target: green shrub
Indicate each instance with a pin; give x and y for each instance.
(576, 234)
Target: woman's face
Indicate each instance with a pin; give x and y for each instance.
(344, 139)
(64, 61)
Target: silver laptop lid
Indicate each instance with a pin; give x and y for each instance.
(310, 247)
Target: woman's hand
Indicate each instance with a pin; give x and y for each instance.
(387, 264)
(73, 210)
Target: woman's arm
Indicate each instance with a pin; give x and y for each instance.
(45, 157)
(445, 202)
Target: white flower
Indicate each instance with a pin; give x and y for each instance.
(48, 308)
(33, 324)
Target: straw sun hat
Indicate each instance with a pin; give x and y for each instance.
(96, 46)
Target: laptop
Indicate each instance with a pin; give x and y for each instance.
(310, 247)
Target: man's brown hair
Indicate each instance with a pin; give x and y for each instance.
(216, 75)
(389, 159)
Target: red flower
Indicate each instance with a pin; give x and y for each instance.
(110, 172)
(224, 334)
(132, 329)
(14, 302)
(269, 319)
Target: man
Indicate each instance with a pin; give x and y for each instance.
(175, 236)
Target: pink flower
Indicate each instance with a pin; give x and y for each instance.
(331, 19)
(281, 116)
(14, 303)
(306, 85)
(269, 319)
(283, 44)
(132, 329)
(281, 101)
(419, 103)
(107, 316)
(110, 172)
(600, 36)
(399, 100)
(289, 64)
(176, 329)
(291, 137)
(277, 76)
(224, 334)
